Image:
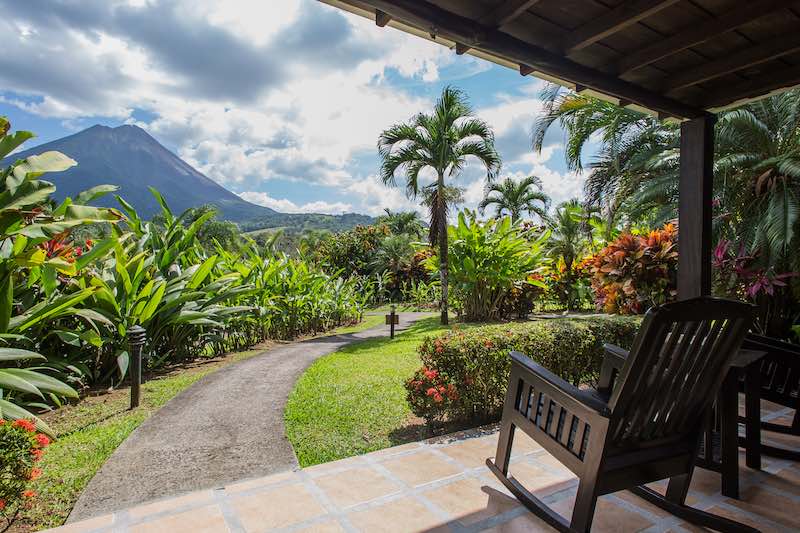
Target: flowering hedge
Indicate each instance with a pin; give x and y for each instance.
(20, 448)
(635, 272)
(465, 372)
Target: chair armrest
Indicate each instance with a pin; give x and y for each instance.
(573, 398)
(613, 362)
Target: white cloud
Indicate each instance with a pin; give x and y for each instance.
(287, 206)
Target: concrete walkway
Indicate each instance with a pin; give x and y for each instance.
(226, 427)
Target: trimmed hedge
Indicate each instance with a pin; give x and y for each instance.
(476, 361)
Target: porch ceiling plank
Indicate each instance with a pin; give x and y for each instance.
(620, 17)
(775, 48)
(753, 87)
(746, 12)
(437, 21)
(506, 12)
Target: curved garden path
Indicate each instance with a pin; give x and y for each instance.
(226, 427)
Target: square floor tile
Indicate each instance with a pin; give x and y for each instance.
(472, 453)
(469, 500)
(277, 507)
(609, 517)
(356, 485)
(403, 515)
(540, 481)
(203, 520)
(152, 508)
(419, 468)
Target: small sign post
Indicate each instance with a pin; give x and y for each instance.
(392, 319)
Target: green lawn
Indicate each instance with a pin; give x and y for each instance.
(353, 401)
(90, 431)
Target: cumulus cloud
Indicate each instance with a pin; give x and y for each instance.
(287, 206)
(247, 91)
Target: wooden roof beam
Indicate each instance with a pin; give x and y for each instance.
(506, 12)
(381, 18)
(772, 49)
(503, 14)
(708, 29)
(752, 88)
(433, 19)
(613, 21)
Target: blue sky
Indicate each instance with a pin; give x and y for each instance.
(281, 102)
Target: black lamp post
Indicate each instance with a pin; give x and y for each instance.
(136, 338)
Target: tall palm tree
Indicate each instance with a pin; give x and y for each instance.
(567, 242)
(442, 141)
(516, 198)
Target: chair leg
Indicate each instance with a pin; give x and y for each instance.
(504, 442)
(585, 502)
(678, 488)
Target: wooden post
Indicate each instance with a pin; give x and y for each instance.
(694, 207)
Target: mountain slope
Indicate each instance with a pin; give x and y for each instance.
(127, 156)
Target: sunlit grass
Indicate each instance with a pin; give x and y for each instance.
(353, 401)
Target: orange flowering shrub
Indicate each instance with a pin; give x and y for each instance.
(20, 449)
(636, 272)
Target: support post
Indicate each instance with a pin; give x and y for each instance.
(392, 315)
(695, 207)
(136, 338)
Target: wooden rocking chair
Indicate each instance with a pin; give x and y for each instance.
(645, 428)
(780, 383)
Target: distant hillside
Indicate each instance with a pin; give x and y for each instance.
(127, 156)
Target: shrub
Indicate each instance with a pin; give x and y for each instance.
(635, 272)
(486, 259)
(429, 395)
(20, 448)
(476, 361)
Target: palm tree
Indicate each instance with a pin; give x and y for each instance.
(442, 141)
(402, 222)
(567, 242)
(517, 198)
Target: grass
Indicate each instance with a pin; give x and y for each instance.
(369, 321)
(90, 431)
(400, 307)
(353, 401)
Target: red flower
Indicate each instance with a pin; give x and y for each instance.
(29, 494)
(431, 392)
(42, 440)
(24, 424)
(431, 374)
(35, 473)
(37, 454)
(2, 504)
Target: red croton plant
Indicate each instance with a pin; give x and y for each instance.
(635, 272)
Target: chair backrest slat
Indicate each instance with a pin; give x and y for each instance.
(675, 367)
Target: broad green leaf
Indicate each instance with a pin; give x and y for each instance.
(43, 382)
(36, 165)
(94, 193)
(9, 411)
(18, 354)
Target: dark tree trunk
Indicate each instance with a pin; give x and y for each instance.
(443, 259)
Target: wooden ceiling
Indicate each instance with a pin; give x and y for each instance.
(675, 58)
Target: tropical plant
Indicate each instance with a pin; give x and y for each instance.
(402, 222)
(635, 272)
(443, 142)
(486, 259)
(515, 198)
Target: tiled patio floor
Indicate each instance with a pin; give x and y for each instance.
(443, 485)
